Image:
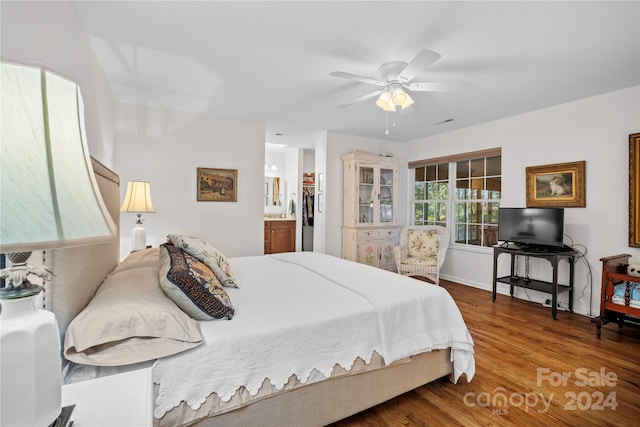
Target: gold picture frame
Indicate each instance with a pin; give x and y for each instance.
(556, 185)
(634, 190)
(217, 185)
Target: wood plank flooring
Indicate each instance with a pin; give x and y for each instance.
(531, 370)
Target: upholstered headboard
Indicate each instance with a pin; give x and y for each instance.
(78, 272)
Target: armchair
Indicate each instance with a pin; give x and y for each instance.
(422, 251)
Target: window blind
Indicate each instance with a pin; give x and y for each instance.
(491, 152)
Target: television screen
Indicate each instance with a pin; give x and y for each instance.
(531, 226)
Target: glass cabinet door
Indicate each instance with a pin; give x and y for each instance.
(365, 195)
(385, 197)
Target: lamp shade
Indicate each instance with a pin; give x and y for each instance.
(383, 99)
(49, 195)
(137, 198)
(49, 198)
(399, 96)
(385, 102)
(408, 102)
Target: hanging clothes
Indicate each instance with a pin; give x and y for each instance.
(307, 206)
(307, 217)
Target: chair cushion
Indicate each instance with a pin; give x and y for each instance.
(428, 262)
(423, 244)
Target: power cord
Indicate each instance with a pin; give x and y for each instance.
(582, 256)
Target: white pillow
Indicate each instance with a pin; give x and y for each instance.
(129, 320)
(149, 257)
(206, 253)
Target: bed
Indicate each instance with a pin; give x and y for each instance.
(304, 338)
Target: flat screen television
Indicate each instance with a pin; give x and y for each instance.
(531, 227)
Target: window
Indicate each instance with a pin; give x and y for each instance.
(431, 195)
(460, 192)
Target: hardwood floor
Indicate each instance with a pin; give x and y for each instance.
(530, 370)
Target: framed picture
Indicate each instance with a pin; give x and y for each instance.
(557, 185)
(634, 190)
(217, 185)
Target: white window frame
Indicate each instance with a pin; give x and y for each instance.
(452, 196)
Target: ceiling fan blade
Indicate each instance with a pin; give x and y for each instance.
(435, 86)
(362, 98)
(356, 77)
(422, 60)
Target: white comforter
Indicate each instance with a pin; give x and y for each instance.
(301, 313)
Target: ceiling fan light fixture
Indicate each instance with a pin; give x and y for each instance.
(394, 97)
(390, 107)
(407, 103)
(384, 100)
(399, 96)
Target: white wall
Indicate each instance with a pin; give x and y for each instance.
(166, 148)
(50, 34)
(594, 129)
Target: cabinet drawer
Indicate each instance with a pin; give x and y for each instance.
(282, 224)
(384, 234)
(390, 234)
(368, 234)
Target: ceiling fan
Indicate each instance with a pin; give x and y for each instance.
(395, 78)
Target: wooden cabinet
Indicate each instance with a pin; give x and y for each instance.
(618, 308)
(279, 236)
(370, 222)
(375, 247)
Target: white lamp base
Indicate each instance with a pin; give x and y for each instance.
(138, 237)
(31, 366)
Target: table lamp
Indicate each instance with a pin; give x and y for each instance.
(138, 200)
(49, 199)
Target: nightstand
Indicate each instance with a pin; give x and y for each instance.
(117, 400)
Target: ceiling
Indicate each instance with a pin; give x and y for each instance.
(270, 61)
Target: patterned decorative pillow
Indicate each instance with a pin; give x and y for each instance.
(207, 254)
(423, 244)
(192, 285)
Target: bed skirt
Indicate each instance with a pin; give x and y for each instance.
(322, 402)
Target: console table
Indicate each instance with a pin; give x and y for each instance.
(553, 287)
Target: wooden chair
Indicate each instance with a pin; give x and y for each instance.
(422, 251)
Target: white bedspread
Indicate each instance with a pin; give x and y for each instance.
(297, 313)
